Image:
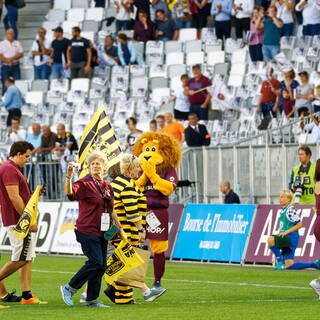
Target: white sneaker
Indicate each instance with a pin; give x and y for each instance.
(83, 297)
(315, 285)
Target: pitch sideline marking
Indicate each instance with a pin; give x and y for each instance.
(240, 284)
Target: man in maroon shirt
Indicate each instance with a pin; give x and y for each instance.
(14, 196)
(199, 101)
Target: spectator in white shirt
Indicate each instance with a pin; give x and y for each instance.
(311, 17)
(123, 8)
(285, 10)
(182, 105)
(312, 126)
(15, 133)
(242, 10)
(41, 49)
(10, 53)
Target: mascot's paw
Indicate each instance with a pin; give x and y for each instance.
(148, 167)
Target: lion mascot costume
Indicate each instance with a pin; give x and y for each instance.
(159, 155)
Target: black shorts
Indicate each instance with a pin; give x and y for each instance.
(180, 115)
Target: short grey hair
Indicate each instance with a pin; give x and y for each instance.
(97, 155)
(127, 162)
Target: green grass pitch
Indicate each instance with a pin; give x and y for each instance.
(194, 291)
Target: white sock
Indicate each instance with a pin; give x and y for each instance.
(147, 292)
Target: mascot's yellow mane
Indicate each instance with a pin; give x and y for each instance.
(163, 149)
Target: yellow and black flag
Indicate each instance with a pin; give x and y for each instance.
(98, 135)
(28, 217)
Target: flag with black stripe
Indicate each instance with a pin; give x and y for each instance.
(98, 135)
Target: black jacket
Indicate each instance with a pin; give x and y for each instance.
(195, 139)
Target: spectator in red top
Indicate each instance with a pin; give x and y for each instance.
(95, 197)
(199, 101)
(143, 28)
(14, 196)
(268, 102)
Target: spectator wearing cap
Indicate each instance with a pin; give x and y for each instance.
(304, 94)
(10, 19)
(109, 55)
(143, 28)
(13, 100)
(196, 134)
(166, 29)
(199, 101)
(311, 17)
(41, 49)
(10, 53)
(79, 55)
(58, 55)
(221, 13)
(272, 33)
(127, 52)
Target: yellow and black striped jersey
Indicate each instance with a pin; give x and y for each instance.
(130, 206)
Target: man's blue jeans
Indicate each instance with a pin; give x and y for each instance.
(42, 72)
(10, 20)
(95, 248)
(6, 72)
(57, 71)
(269, 51)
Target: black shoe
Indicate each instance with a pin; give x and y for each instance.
(109, 21)
(11, 297)
(110, 292)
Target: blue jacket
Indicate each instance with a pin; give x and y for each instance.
(13, 98)
(135, 56)
(225, 12)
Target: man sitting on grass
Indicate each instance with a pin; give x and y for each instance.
(284, 244)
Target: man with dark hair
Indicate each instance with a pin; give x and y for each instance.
(48, 140)
(143, 28)
(199, 100)
(196, 134)
(41, 49)
(58, 55)
(15, 133)
(109, 55)
(302, 176)
(13, 100)
(134, 133)
(166, 29)
(79, 55)
(14, 196)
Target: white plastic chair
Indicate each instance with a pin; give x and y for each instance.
(76, 15)
(22, 85)
(176, 70)
(235, 80)
(193, 46)
(96, 14)
(158, 70)
(194, 58)
(158, 94)
(81, 84)
(80, 4)
(154, 47)
(62, 4)
(56, 15)
(34, 97)
(187, 34)
(215, 57)
(239, 56)
(88, 35)
(238, 69)
(175, 58)
(68, 25)
(61, 85)
(172, 46)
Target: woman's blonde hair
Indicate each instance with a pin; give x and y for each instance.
(127, 162)
(97, 155)
(286, 193)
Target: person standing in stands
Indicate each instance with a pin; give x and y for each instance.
(41, 49)
(58, 55)
(10, 19)
(79, 55)
(199, 100)
(196, 134)
(143, 28)
(311, 17)
(242, 10)
(230, 196)
(123, 8)
(13, 100)
(199, 13)
(10, 53)
(221, 13)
